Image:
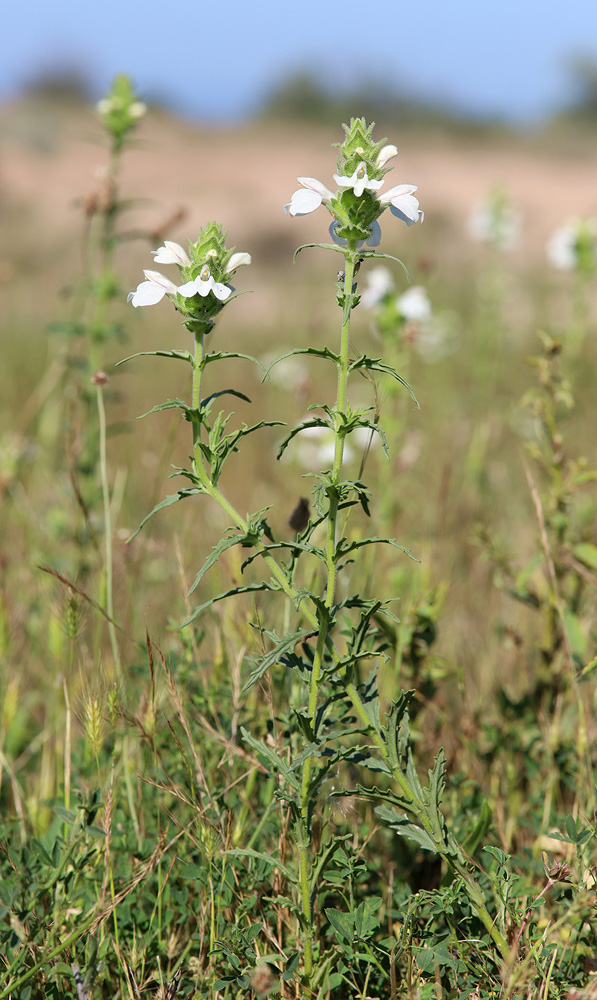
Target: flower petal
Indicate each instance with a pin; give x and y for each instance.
(152, 290)
(303, 202)
(237, 260)
(407, 209)
(171, 253)
(396, 191)
(358, 180)
(386, 154)
(312, 184)
(220, 291)
(189, 289)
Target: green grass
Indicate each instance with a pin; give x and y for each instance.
(141, 836)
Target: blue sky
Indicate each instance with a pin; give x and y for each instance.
(216, 60)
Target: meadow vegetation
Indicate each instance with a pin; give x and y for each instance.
(377, 787)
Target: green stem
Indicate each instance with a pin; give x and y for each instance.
(321, 624)
(107, 529)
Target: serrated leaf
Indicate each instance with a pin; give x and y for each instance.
(225, 543)
(378, 365)
(223, 355)
(316, 352)
(169, 500)
(403, 827)
(277, 763)
(274, 656)
(343, 550)
(170, 404)
(395, 718)
(248, 589)
(315, 422)
(435, 789)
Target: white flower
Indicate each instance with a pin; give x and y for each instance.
(402, 203)
(385, 154)
(171, 253)
(358, 181)
(574, 246)
(560, 247)
(494, 221)
(152, 290)
(379, 283)
(414, 305)
(400, 198)
(203, 284)
(238, 260)
(309, 197)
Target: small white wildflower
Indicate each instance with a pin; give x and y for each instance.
(152, 290)
(379, 283)
(574, 246)
(402, 203)
(203, 284)
(171, 253)
(309, 197)
(414, 304)
(358, 181)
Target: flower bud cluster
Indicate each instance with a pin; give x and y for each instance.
(205, 270)
(357, 203)
(120, 110)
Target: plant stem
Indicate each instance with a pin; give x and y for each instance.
(320, 623)
(107, 528)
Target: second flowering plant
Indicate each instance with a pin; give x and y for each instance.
(330, 639)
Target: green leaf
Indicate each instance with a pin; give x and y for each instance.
(403, 827)
(249, 589)
(343, 923)
(247, 852)
(314, 422)
(224, 392)
(171, 499)
(316, 352)
(223, 355)
(281, 648)
(498, 854)
(225, 543)
(274, 761)
(586, 554)
(180, 355)
(378, 365)
(366, 918)
(190, 870)
(171, 404)
(394, 720)
(344, 548)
